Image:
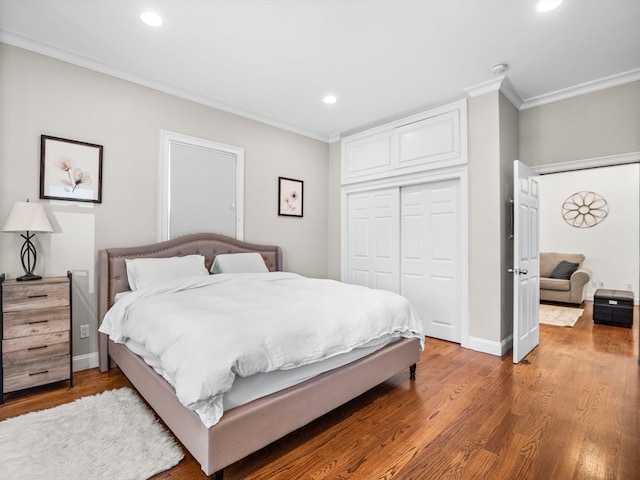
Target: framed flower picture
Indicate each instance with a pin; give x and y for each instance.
(70, 170)
(290, 197)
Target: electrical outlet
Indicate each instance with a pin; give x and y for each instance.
(601, 284)
(629, 286)
(84, 331)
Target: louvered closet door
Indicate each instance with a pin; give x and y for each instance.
(429, 256)
(374, 239)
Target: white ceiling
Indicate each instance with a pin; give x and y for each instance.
(275, 60)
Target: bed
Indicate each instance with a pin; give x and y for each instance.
(251, 426)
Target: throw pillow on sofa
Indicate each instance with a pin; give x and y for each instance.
(564, 270)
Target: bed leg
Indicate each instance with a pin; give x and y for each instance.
(217, 475)
(412, 372)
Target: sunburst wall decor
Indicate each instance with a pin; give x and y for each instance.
(584, 209)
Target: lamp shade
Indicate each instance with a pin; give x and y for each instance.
(27, 217)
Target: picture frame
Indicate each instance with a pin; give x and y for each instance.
(70, 170)
(290, 197)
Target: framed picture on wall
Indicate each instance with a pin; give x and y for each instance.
(70, 170)
(290, 197)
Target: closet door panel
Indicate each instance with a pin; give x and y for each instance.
(431, 140)
(360, 277)
(367, 156)
(443, 261)
(414, 281)
(443, 319)
(429, 263)
(373, 239)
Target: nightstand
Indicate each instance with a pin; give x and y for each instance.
(36, 333)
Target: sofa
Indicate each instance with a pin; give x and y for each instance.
(563, 277)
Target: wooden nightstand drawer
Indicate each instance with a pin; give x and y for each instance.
(21, 296)
(32, 374)
(34, 348)
(35, 322)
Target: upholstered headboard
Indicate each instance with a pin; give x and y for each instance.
(112, 277)
(112, 270)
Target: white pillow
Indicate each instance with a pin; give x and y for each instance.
(143, 272)
(239, 263)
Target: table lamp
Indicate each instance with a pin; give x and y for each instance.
(30, 218)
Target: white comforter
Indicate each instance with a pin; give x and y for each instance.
(206, 330)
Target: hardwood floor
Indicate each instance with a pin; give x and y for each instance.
(571, 412)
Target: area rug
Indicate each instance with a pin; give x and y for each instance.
(559, 316)
(112, 435)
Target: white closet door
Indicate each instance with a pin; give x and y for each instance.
(429, 256)
(374, 239)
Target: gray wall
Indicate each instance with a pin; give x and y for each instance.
(606, 122)
(509, 145)
(40, 95)
(485, 258)
(334, 220)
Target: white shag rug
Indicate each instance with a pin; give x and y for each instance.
(559, 316)
(112, 435)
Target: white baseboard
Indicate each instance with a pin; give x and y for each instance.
(507, 344)
(85, 362)
(488, 346)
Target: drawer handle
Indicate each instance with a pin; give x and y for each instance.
(38, 348)
(38, 321)
(38, 373)
(38, 296)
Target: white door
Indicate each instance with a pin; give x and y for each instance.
(430, 256)
(373, 233)
(526, 262)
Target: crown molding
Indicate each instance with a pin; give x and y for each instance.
(75, 58)
(501, 84)
(585, 163)
(484, 87)
(583, 88)
(506, 87)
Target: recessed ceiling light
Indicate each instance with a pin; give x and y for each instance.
(548, 5)
(499, 68)
(152, 19)
(329, 99)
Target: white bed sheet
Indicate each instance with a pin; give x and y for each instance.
(247, 389)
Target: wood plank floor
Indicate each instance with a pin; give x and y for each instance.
(572, 412)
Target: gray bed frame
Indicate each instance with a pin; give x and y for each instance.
(250, 427)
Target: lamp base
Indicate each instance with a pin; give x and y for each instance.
(28, 277)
